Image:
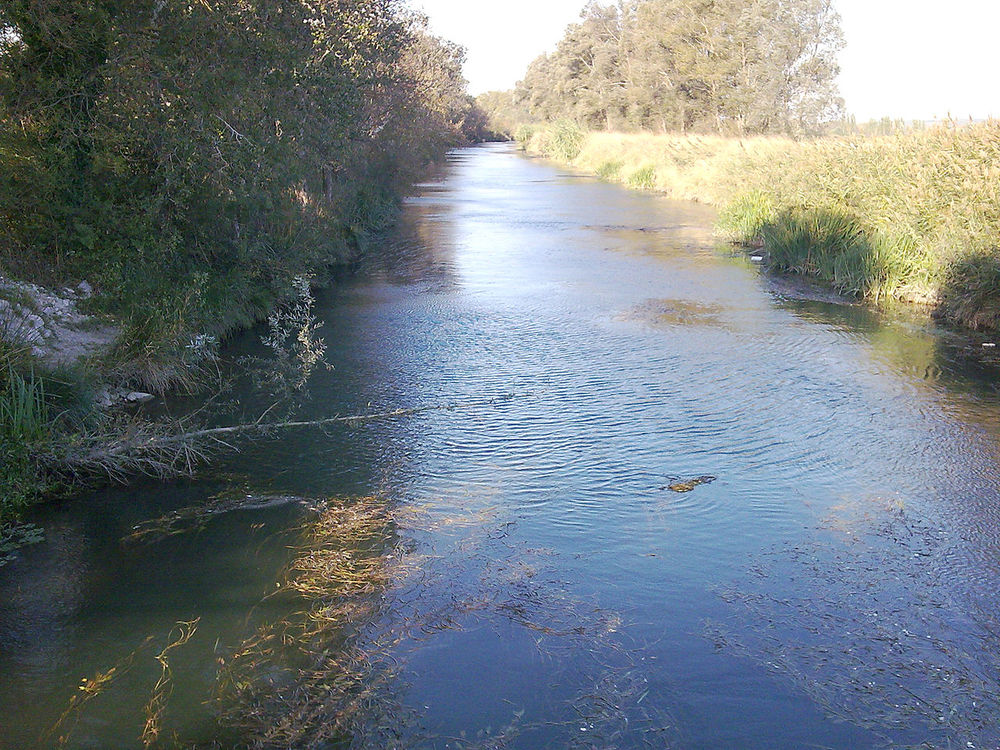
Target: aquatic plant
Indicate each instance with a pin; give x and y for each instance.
(869, 631)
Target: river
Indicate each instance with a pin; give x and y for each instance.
(515, 566)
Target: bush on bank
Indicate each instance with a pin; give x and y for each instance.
(911, 216)
(190, 160)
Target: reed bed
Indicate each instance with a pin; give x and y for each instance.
(913, 216)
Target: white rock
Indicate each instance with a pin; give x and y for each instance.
(85, 289)
(138, 397)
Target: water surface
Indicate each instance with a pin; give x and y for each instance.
(532, 580)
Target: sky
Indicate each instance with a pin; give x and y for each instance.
(910, 59)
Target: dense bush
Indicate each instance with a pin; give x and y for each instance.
(193, 158)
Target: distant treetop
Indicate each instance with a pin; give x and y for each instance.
(734, 67)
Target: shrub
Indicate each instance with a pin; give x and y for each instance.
(565, 140)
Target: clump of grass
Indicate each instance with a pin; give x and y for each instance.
(644, 178)
(561, 140)
(23, 411)
(610, 170)
(743, 219)
(23, 426)
(566, 140)
(809, 241)
(971, 292)
(524, 134)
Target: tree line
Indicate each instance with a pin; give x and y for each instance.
(191, 157)
(726, 66)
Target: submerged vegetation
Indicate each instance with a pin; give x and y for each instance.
(191, 161)
(910, 216)
(324, 659)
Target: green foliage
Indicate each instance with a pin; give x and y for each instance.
(23, 410)
(561, 140)
(191, 160)
(971, 292)
(743, 219)
(23, 424)
(835, 248)
(609, 170)
(809, 241)
(15, 536)
(644, 178)
(524, 135)
(565, 140)
(725, 66)
(194, 158)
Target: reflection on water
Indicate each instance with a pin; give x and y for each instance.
(526, 576)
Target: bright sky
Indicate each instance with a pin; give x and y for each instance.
(915, 59)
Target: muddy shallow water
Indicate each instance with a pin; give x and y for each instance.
(510, 567)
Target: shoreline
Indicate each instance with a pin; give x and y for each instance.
(906, 218)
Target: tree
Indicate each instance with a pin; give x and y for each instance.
(729, 66)
(197, 156)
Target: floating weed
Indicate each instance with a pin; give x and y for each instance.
(367, 595)
(16, 536)
(89, 689)
(194, 518)
(676, 312)
(179, 636)
(688, 485)
(370, 585)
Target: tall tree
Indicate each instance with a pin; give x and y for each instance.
(730, 66)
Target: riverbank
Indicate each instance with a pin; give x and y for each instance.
(910, 217)
(192, 199)
(74, 373)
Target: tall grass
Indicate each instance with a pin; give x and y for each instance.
(23, 424)
(22, 408)
(562, 140)
(913, 216)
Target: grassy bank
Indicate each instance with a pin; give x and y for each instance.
(913, 216)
